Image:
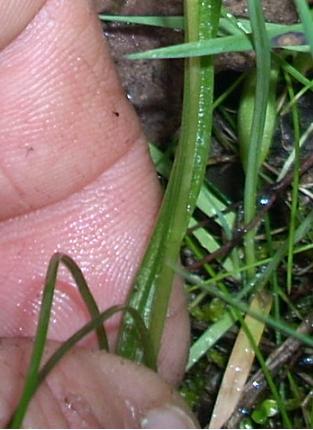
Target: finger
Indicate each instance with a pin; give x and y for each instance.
(64, 118)
(80, 175)
(15, 16)
(109, 393)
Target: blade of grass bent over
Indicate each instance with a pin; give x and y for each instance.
(96, 323)
(150, 295)
(149, 358)
(43, 324)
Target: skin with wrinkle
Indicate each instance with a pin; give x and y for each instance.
(59, 107)
(102, 397)
(75, 177)
(13, 23)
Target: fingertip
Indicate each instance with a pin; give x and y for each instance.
(91, 390)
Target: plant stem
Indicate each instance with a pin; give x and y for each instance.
(295, 184)
(263, 66)
(152, 289)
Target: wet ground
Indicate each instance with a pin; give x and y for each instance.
(155, 87)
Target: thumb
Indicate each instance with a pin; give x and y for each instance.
(13, 21)
(74, 162)
(64, 118)
(92, 390)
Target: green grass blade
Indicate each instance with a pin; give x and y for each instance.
(142, 332)
(152, 289)
(295, 185)
(220, 45)
(85, 293)
(295, 73)
(245, 117)
(239, 305)
(208, 203)
(263, 70)
(176, 22)
(255, 143)
(274, 280)
(96, 323)
(228, 24)
(209, 338)
(43, 324)
(306, 18)
(268, 376)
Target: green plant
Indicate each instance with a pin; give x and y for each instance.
(250, 252)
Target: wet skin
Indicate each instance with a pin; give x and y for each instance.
(75, 177)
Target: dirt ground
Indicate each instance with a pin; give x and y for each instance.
(155, 87)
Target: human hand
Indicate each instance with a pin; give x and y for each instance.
(76, 178)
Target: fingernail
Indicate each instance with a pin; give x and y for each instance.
(168, 417)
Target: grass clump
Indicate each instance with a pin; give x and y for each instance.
(247, 267)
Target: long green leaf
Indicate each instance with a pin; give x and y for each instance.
(263, 70)
(306, 18)
(43, 324)
(241, 306)
(151, 293)
(154, 21)
(230, 25)
(142, 332)
(96, 323)
(220, 45)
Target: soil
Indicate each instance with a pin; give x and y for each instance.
(155, 87)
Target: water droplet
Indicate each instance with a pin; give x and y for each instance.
(244, 411)
(264, 200)
(306, 361)
(189, 209)
(256, 385)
